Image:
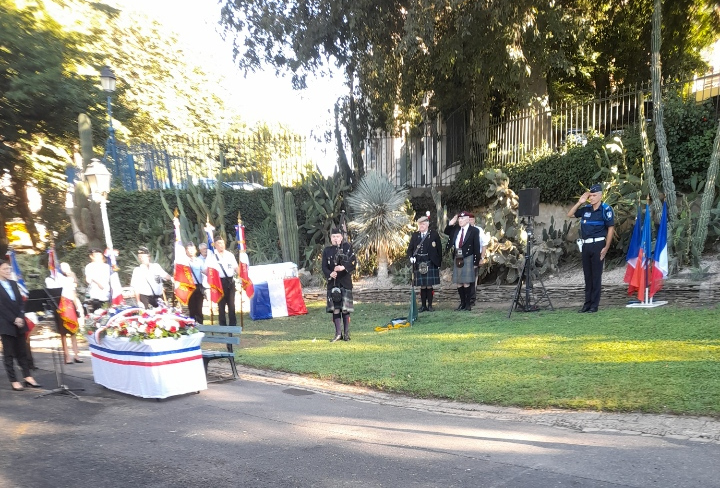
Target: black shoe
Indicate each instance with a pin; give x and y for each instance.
(337, 338)
(467, 308)
(430, 309)
(346, 337)
(584, 309)
(592, 310)
(31, 385)
(423, 309)
(460, 307)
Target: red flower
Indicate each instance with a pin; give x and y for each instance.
(173, 329)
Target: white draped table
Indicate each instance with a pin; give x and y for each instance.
(154, 368)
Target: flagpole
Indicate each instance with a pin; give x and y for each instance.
(207, 236)
(242, 287)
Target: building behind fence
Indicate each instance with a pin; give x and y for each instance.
(434, 157)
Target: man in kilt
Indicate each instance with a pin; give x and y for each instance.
(338, 263)
(466, 250)
(425, 253)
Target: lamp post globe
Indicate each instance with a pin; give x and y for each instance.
(107, 79)
(98, 177)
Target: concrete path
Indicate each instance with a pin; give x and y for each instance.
(281, 430)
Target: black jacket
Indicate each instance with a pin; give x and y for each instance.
(471, 242)
(432, 246)
(346, 258)
(10, 310)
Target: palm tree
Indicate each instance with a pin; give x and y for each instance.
(380, 218)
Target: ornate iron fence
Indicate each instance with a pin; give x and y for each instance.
(432, 156)
(244, 162)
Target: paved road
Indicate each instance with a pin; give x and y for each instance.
(269, 430)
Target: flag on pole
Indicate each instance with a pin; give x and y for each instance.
(640, 276)
(184, 283)
(243, 261)
(52, 263)
(660, 256)
(17, 274)
(633, 249)
(67, 311)
(115, 287)
(213, 271)
(66, 307)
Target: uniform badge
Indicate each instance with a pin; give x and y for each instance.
(609, 214)
(587, 215)
(433, 244)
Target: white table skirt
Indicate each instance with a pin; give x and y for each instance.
(155, 368)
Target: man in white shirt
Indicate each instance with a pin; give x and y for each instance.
(147, 280)
(228, 266)
(97, 276)
(484, 241)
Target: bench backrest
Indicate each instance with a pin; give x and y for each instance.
(221, 334)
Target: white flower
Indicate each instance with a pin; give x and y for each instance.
(158, 332)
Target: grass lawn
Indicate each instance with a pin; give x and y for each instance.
(664, 360)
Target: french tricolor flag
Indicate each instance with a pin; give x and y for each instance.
(277, 298)
(661, 268)
(633, 249)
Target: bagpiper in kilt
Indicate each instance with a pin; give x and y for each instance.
(338, 263)
(425, 254)
(466, 250)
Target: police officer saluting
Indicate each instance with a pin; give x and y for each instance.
(597, 227)
(425, 256)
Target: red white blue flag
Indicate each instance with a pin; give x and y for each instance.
(660, 256)
(633, 249)
(641, 275)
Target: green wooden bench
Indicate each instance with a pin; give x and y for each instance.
(221, 334)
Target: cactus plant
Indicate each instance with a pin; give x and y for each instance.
(86, 144)
(278, 203)
(291, 225)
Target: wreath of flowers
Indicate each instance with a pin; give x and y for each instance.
(138, 324)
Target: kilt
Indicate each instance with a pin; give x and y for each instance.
(466, 274)
(432, 277)
(346, 305)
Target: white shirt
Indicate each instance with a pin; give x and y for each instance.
(9, 290)
(460, 232)
(99, 272)
(484, 238)
(143, 279)
(228, 263)
(197, 266)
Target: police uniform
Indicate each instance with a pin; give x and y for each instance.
(426, 249)
(594, 225)
(339, 289)
(466, 250)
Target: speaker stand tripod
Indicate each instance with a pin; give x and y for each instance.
(530, 301)
(58, 355)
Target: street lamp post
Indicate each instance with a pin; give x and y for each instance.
(98, 177)
(107, 80)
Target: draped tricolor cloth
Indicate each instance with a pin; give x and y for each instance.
(155, 368)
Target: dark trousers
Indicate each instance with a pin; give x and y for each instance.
(150, 301)
(14, 349)
(195, 304)
(94, 304)
(473, 289)
(593, 269)
(228, 299)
